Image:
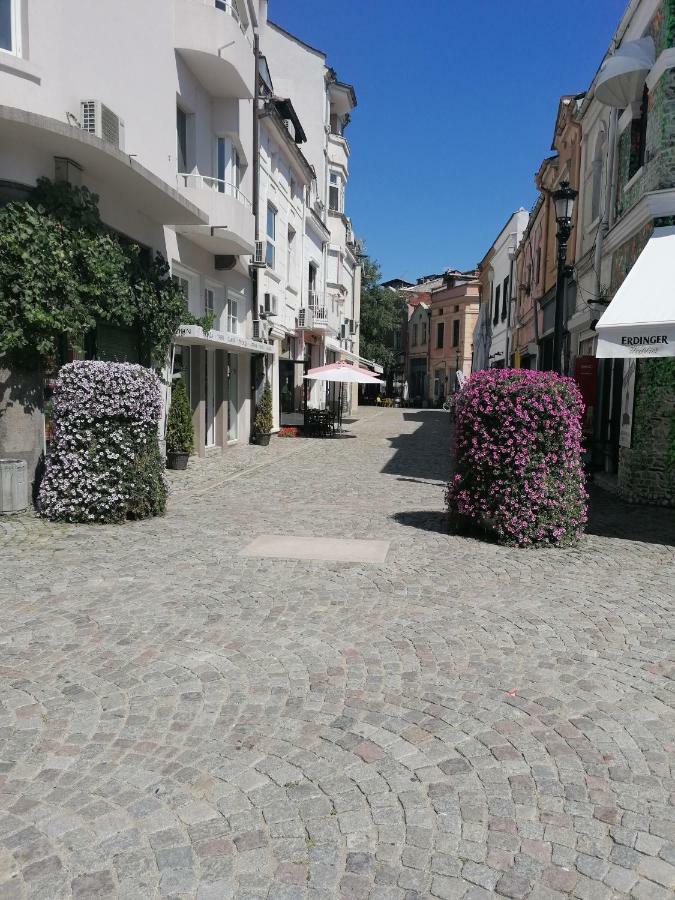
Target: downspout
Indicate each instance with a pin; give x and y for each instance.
(608, 211)
(254, 271)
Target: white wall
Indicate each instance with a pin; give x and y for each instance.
(506, 242)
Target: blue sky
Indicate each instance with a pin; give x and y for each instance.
(456, 107)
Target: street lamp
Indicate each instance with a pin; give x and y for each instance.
(563, 202)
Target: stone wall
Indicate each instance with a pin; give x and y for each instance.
(21, 420)
(647, 469)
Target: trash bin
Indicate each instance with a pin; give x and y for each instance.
(13, 486)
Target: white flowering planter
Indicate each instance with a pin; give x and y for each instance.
(13, 486)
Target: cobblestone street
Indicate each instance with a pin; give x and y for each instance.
(464, 720)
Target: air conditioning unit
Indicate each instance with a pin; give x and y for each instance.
(96, 118)
(271, 304)
(303, 317)
(258, 258)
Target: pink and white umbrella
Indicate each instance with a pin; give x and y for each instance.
(344, 373)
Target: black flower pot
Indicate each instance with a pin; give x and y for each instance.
(263, 439)
(176, 460)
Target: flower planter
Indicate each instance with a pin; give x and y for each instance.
(176, 460)
(263, 439)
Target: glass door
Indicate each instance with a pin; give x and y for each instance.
(233, 398)
(210, 404)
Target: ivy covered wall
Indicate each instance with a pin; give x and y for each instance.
(647, 469)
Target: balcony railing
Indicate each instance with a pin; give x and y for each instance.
(312, 299)
(230, 9)
(206, 182)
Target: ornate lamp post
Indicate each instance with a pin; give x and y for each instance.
(563, 201)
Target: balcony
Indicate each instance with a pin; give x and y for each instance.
(213, 41)
(231, 226)
(315, 319)
(338, 151)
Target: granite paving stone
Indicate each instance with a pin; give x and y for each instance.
(452, 720)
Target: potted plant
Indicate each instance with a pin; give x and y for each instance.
(262, 425)
(179, 430)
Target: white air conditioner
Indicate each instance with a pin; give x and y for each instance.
(271, 304)
(96, 118)
(258, 258)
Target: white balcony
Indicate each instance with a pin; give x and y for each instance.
(231, 228)
(338, 151)
(314, 319)
(213, 41)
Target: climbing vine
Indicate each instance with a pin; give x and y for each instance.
(63, 271)
(654, 410)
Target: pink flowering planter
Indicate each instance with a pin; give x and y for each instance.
(518, 471)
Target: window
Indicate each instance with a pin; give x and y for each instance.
(271, 234)
(537, 269)
(414, 334)
(424, 332)
(638, 137)
(495, 314)
(290, 257)
(10, 26)
(505, 297)
(440, 334)
(311, 285)
(455, 333)
(208, 302)
(335, 192)
(232, 314)
(227, 166)
(181, 135)
(598, 162)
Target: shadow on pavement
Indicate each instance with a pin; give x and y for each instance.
(425, 452)
(424, 519)
(609, 516)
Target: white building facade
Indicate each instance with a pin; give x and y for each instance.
(495, 317)
(318, 321)
(161, 130)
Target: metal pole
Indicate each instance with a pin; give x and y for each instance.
(562, 237)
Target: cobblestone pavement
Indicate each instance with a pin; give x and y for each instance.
(464, 720)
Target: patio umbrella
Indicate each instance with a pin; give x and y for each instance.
(344, 373)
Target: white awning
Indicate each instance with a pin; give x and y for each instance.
(194, 335)
(640, 320)
(621, 78)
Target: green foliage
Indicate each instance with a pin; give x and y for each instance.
(654, 414)
(179, 430)
(146, 488)
(62, 271)
(381, 314)
(263, 413)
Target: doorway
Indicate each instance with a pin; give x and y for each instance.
(233, 398)
(210, 395)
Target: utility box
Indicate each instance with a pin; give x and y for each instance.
(13, 486)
